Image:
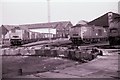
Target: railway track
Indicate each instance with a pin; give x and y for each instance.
(67, 43)
(108, 46)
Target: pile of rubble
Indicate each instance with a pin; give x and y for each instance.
(17, 51)
(79, 54)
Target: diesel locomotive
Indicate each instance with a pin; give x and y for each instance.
(114, 29)
(87, 34)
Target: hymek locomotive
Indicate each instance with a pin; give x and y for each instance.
(87, 34)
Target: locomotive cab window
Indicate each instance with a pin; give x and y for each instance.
(114, 30)
(15, 36)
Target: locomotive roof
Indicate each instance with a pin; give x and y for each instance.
(78, 25)
(61, 24)
(103, 20)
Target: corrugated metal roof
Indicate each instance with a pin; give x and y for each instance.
(9, 27)
(102, 20)
(60, 24)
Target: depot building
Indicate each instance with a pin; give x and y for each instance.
(53, 29)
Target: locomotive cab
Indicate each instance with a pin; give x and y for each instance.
(15, 41)
(75, 36)
(15, 37)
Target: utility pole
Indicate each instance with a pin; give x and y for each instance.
(48, 6)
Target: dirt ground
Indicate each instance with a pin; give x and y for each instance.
(32, 65)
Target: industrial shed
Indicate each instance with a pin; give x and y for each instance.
(104, 20)
(5, 38)
(61, 28)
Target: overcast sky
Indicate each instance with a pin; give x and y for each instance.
(35, 11)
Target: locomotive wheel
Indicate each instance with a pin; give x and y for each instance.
(78, 56)
(70, 55)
